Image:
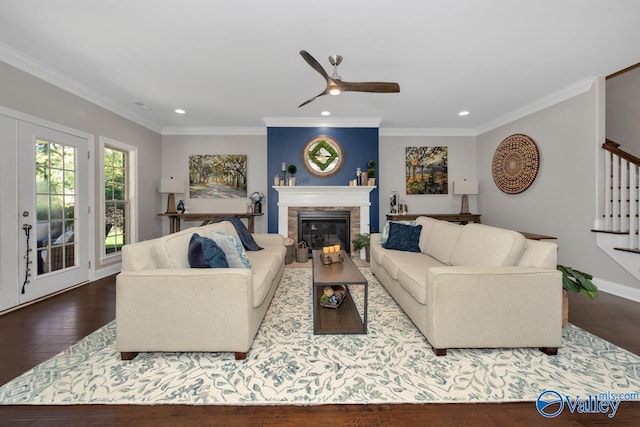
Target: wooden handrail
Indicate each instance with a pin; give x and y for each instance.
(612, 147)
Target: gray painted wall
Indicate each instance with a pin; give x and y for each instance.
(623, 110)
(175, 162)
(391, 172)
(22, 92)
(561, 201)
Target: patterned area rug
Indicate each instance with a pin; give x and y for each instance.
(287, 364)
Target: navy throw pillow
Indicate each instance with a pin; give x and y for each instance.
(205, 253)
(403, 237)
(196, 259)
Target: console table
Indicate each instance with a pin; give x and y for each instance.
(175, 218)
(535, 236)
(453, 217)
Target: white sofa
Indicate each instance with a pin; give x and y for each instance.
(164, 305)
(475, 286)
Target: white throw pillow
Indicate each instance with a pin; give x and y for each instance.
(233, 249)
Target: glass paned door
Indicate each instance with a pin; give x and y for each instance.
(55, 206)
(53, 198)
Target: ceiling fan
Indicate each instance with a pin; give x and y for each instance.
(335, 84)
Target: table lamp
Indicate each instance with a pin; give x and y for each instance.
(170, 186)
(465, 188)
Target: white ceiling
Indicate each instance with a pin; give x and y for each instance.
(230, 63)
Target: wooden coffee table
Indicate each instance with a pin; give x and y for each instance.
(345, 319)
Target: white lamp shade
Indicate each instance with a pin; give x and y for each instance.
(465, 187)
(170, 185)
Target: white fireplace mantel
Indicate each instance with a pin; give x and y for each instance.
(322, 196)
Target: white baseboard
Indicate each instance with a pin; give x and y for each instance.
(107, 271)
(617, 289)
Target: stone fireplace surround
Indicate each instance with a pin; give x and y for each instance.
(293, 199)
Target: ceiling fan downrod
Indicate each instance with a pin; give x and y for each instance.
(335, 60)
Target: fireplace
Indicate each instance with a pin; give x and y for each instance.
(293, 200)
(324, 228)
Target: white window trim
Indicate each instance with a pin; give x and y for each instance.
(133, 194)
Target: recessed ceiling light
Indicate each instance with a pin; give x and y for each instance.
(326, 113)
(463, 113)
(180, 111)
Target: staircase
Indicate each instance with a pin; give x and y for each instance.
(618, 231)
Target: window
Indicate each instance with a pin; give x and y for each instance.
(118, 204)
(116, 199)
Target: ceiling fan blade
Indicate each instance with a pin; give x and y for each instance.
(326, 91)
(314, 64)
(377, 87)
(334, 82)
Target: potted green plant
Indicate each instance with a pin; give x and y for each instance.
(371, 172)
(362, 241)
(292, 169)
(575, 281)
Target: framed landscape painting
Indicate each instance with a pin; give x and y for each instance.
(426, 170)
(217, 176)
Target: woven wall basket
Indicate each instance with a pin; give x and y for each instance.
(515, 164)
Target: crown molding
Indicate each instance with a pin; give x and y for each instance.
(322, 122)
(49, 75)
(214, 131)
(29, 65)
(554, 98)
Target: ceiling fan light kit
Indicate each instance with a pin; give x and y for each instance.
(335, 84)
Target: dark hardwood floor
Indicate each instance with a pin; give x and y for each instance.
(33, 334)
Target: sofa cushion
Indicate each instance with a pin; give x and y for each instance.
(427, 224)
(395, 261)
(483, 245)
(233, 249)
(205, 253)
(441, 240)
(539, 254)
(138, 256)
(403, 237)
(414, 278)
(171, 251)
(271, 258)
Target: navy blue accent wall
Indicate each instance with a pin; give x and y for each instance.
(285, 144)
